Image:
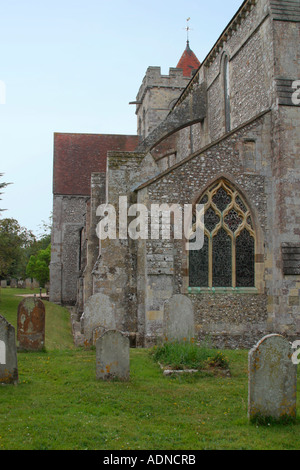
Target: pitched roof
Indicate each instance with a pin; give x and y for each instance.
(76, 156)
(188, 61)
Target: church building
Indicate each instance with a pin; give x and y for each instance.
(224, 134)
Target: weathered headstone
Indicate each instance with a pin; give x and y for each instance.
(8, 353)
(98, 316)
(31, 324)
(3, 284)
(112, 356)
(178, 319)
(272, 379)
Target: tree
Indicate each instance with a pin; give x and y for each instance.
(38, 266)
(2, 186)
(14, 240)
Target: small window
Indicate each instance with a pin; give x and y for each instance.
(227, 95)
(228, 253)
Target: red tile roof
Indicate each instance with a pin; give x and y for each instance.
(188, 61)
(76, 156)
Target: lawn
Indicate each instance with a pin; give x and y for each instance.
(59, 404)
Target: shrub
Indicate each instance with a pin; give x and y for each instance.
(188, 355)
(218, 360)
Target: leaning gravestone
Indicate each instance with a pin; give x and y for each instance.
(8, 353)
(112, 356)
(272, 379)
(31, 324)
(178, 319)
(98, 317)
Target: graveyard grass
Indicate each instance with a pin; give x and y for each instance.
(59, 404)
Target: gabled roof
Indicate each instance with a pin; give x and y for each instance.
(76, 156)
(188, 61)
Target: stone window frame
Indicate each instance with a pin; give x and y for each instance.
(259, 256)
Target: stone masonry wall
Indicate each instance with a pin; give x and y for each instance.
(285, 288)
(249, 48)
(115, 271)
(68, 220)
(163, 268)
(156, 96)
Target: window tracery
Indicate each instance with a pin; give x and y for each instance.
(227, 258)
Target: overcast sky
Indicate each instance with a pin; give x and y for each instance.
(74, 66)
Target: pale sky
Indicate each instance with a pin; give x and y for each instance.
(74, 66)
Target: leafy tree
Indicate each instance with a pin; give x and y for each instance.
(2, 186)
(18, 245)
(40, 242)
(38, 266)
(14, 240)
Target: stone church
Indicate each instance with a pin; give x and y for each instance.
(224, 134)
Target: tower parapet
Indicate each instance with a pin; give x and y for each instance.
(158, 93)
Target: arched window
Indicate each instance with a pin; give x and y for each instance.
(144, 124)
(228, 253)
(226, 94)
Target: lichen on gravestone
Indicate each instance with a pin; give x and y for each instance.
(272, 380)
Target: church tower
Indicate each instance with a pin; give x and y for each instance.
(158, 93)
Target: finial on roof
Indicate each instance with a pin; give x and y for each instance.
(187, 28)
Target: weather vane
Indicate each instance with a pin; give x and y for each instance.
(187, 29)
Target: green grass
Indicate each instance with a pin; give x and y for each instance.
(188, 355)
(59, 404)
(58, 327)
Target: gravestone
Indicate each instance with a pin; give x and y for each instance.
(8, 353)
(112, 356)
(13, 283)
(272, 379)
(178, 319)
(97, 318)
(31, 324)
(3, 284)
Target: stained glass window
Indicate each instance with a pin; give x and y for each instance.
(228, 253)
(245, 260)
(221, 199)
(221, 260)
(233, 220)
(198, 266)
(211, 219)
